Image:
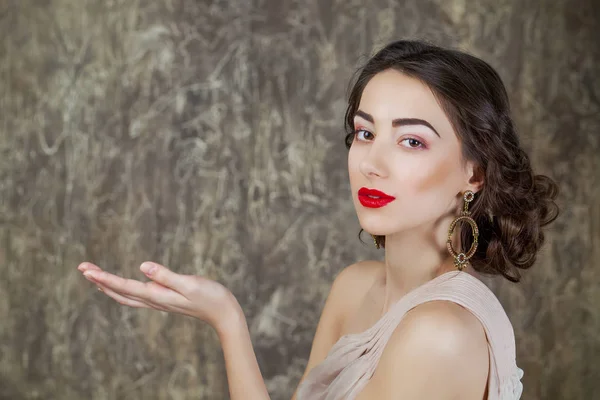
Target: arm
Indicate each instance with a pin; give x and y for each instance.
(243, 373)
(209, 301)
(196, 297)
(438, 351)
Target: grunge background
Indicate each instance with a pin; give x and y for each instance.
(208, 136)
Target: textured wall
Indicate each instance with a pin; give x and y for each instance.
(208, 136)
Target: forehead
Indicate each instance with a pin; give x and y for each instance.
(391, 94)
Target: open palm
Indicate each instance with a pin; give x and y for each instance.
(190, 295)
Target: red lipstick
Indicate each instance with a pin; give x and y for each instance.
(373, 198)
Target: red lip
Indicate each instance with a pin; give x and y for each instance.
(379, 199)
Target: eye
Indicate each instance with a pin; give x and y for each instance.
(363, 135)
(413, 143)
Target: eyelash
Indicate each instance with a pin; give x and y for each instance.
(421, 144)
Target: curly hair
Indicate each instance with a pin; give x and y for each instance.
(514, 203)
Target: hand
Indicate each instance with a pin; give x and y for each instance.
(190, 295)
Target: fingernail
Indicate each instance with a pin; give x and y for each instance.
(148, 268)
(89, 275)
(100, 289)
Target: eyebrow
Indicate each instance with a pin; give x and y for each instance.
(398, 121)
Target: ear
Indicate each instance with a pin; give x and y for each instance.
(475, 177)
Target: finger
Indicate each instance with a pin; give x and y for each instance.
(165, 277)
(102, 287)
(130, 300)
(122, 299)
(129, 287)
(85, 266)
(150, 292)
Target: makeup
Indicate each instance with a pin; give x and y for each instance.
(373, 198)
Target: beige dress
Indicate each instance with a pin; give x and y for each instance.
(353, 358)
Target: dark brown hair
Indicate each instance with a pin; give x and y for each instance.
(513, 203)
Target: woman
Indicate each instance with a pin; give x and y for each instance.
(439, 180)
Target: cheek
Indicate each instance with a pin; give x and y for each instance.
(437, 177)
(353, 167)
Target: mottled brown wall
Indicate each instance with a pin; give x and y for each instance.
(208, 136)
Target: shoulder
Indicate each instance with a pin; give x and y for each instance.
(441, 342)
(357, 277)
(347, 289)
(446, 327)
(350, 287)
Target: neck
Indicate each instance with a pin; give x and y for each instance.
(414, 257)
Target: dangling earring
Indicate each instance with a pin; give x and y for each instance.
(375, 240)
(461, 260)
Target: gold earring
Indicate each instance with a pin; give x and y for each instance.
(461, 260)
(375, 240)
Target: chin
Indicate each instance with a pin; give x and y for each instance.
(376, 225)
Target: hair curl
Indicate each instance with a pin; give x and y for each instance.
(514, 203)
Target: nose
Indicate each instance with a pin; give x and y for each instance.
(372, 165)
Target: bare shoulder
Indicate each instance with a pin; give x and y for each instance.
(444, 326)
(439, 350)
(356, 279)
(348, 288)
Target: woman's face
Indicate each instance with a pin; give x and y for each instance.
(405, 147)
